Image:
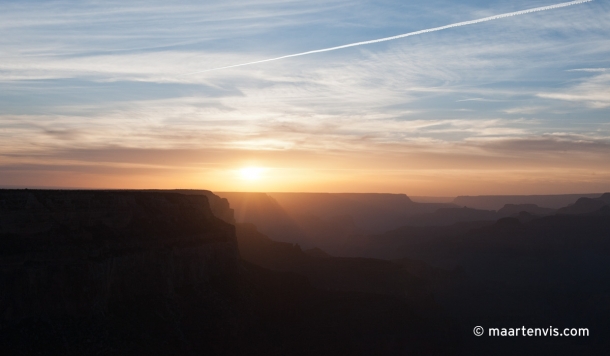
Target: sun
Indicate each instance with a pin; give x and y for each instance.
(251, 173)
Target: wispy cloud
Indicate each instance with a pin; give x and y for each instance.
(93, 90)
(415, 33)
(593, 92)
(590, 70)
(526, 110)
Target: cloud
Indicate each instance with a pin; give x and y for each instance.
(559, 144)
(590, 70)
(476, 99)
(89, 100)
(528, 110)
(392, 38)
(593, 92)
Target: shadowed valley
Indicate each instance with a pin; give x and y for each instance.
(190, 272)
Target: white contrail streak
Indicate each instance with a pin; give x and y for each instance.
(464, 23)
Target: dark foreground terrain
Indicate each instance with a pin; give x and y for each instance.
(173, 273)
(160, 273)
(522, 266)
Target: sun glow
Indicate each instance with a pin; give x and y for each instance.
(251, 173)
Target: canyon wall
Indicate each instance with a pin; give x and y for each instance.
(77, 252)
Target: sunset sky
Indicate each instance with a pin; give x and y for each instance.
(97, 94)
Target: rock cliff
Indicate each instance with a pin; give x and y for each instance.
(77, 252)
(220, 206)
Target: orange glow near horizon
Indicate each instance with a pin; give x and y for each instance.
(267, 178)
(419, 173)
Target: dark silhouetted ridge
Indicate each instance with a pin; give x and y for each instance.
(495, 202)
(157, 273)
(585, 205)
(515, 209)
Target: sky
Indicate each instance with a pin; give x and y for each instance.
(105, 94)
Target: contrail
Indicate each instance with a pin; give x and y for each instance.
(464, 23)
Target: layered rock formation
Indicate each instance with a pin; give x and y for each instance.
(265, 212)
(157, 273)
(69, 256)
(515, 209)
(495, 202)
(76, 253)
(220, 206)
(586, 205)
